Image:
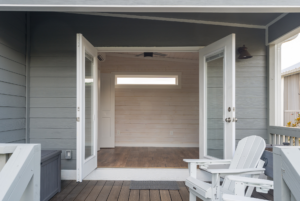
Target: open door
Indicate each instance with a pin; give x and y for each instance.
(217, 99)
(87, 77)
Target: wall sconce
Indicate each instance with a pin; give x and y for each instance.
(244, 54)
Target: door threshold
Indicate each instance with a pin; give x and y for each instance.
(139, 174)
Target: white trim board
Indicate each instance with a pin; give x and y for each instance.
(154, 58)
(155, 145)
(140, 174)
(150, 49)
(151, 8)
(230, 24)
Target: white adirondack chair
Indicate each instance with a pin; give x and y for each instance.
(261, 185)
(227, 197)
(246, 162)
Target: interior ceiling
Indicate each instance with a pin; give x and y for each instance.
(241, 18)
(194, 56)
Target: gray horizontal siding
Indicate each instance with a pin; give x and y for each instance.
(53, 69)
(12, 77)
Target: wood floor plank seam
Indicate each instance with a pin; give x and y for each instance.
(95, 191)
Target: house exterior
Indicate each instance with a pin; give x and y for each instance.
(38, 60)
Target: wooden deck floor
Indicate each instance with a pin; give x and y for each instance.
(145, 157)
(119, 191)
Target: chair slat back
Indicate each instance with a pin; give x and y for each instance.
(247, 155)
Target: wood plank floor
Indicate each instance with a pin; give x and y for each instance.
(145, 157)
(119, 191)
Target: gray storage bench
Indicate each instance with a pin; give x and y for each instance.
(50, 174)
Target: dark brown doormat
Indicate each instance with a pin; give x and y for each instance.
(153, 185)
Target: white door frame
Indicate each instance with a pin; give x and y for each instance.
(227, 46)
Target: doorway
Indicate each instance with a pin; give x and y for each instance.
(223, 47)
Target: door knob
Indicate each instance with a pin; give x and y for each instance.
(234, 120)
(228, 119)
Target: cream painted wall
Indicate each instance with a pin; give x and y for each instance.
(156, 117)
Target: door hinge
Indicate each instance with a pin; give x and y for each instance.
(78, 119)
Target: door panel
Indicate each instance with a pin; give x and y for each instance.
(217, 99)
(107, 111)
(86, 109)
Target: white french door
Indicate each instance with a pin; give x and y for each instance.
(217, 99)
(86, 110)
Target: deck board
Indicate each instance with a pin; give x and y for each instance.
(119, 191)
(95, 191)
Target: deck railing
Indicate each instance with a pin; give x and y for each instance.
(20, 172)
(278, 135)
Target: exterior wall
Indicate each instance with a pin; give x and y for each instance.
(12, 77)
(291, 98)
(283, 26)
(53, 69)
(146, 117)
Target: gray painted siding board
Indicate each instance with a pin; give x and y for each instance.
(12, 101)
(283, 26)
(12, 66)
(18, 141)
(68, 164)
(52, 133)
(11, 54)
(12, 89)
(53, 92)
(13, 78)
(53, 71)
(11, 113)
(14, 40)
(52, 112)
(53, 61)
(52, 82)
(12, 124)
(58, 144)
(11, 136)
(52, 102)
(52, 123)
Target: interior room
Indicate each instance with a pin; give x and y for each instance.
(156, 120)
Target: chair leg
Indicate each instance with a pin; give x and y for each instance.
(192, 197)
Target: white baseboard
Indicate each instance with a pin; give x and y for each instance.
(141, 174)
(154, 145)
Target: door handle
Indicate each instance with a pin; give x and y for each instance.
(228, 120)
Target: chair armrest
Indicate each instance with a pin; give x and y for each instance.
(262, 185)
(204, 163)
(253, 181)
(225, 172)
(227, 197)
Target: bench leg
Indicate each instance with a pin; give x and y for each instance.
(192, 197)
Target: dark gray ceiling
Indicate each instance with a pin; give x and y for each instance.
(243, 18)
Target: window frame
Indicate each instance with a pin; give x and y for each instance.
(177, 75)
